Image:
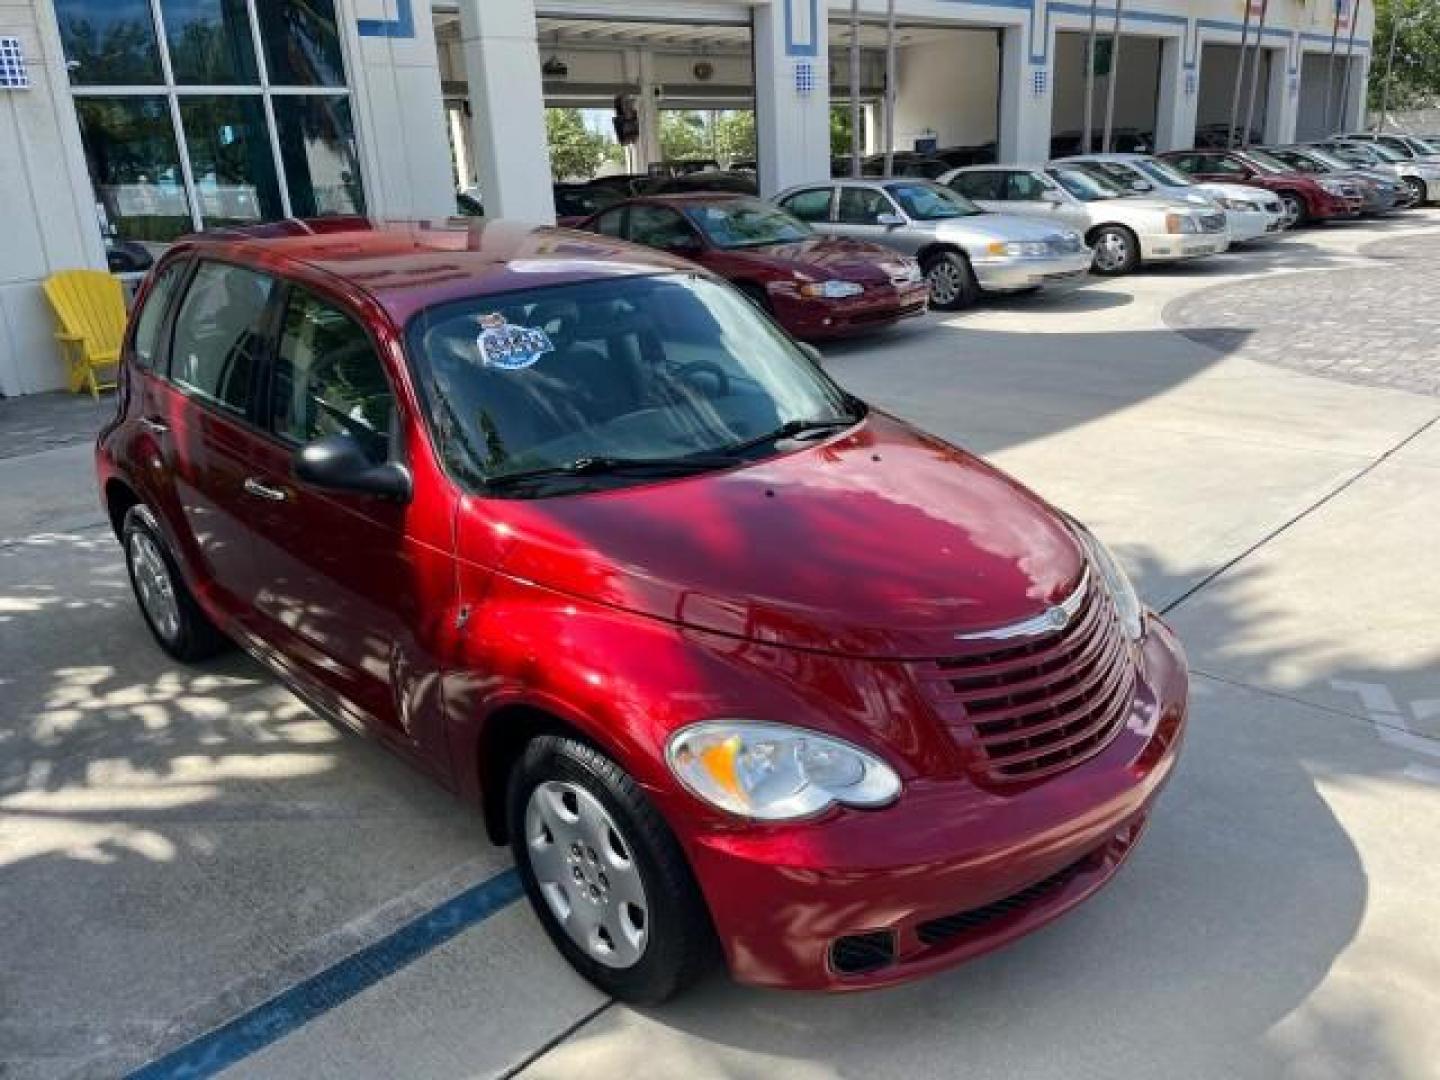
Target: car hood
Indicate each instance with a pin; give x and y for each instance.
(879, 542)
(1236, 191)
(983, 228)
(1151, 203)
(826, 257)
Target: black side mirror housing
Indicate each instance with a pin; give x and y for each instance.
(338, 463)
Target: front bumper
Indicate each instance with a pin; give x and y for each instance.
(1014, 274)
(1247, 225)
(1165, 247)
(1329, 205)
(950, 870)
(817, 318)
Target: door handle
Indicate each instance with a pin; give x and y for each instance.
(262, 490)
(153, 426)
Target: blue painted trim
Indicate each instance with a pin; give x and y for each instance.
(802, 48)
(294, 1008)
(402, 26)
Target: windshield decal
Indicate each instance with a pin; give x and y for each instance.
(510, 348)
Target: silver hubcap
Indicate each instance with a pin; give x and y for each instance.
(1289, 213)
(1111, 252)
(945, 282)
(587, 873)
(152, 582)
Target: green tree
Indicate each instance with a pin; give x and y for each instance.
(1416, 79)
(683, 135)
(840, 130)
(576, 152)
(734, 136)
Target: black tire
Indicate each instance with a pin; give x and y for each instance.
(192, 636)
(1418, 190)
(951, 280)
(680, 943)
(1117, 251)
(1295, 209)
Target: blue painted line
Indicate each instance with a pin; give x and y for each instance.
(402, 26)
(292, 1009)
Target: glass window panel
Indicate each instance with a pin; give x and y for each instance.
(134, 166)
(210, 42)
(151, 319)
(328, 380)
(219, 333)
(317, 145)
(231, 159)
(302, 44)
(109, 42)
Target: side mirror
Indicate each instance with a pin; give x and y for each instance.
(811, 352)
(890, 221)
(337, 463)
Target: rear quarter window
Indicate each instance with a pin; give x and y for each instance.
(219, 334)
(150, 322)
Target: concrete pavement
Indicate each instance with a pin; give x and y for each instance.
(178, 846)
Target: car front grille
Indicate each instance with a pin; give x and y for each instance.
(1212, 223)
(1273, 206)
(935, 931)
(1028, 710)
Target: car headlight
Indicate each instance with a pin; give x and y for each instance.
(1239, 204)
(1019, 249)
(1181, 223)
(832, 290)
(1127, 603)
(775, 772)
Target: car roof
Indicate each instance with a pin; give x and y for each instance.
(682, 198)
(407, 265)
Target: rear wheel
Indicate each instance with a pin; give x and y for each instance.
(1292, 210)
(1117, 251)
(605, 874)
(178, 624)
(952, 282)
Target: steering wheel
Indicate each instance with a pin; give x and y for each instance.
(688, 371)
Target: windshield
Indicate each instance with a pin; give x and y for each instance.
(1297, 162)
(1385, 153)
(745, 223)
(1121, 174)
(1162, 172)
(655, 368)
(931, 202)
(1267, 162)
(1330, 159)
(1085, 185)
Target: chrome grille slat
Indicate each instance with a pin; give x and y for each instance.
(1011, 721)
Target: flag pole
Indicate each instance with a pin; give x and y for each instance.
(1255, 74)
(1239, 78)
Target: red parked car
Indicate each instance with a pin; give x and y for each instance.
(738, 665)
(816, 287)
(1303, 198)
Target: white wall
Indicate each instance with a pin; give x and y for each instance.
(49, 215)
(948, 88)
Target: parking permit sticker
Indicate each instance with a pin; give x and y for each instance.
(510, 348)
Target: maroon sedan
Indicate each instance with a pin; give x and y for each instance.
(815, 286)
(1304, 198)
(737, 665)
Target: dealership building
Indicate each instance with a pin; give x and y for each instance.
(142, 120)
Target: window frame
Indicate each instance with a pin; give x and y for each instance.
(173, 92)
(266, 396)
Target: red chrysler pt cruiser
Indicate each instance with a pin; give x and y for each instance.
(738, 665)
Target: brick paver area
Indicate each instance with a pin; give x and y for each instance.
(1375, 325)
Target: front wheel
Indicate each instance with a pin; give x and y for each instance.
(1292, 210)
(1117, 251)
(952, 282)
(1417, 190)
(604, 873)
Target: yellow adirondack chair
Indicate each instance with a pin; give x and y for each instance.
(91, 308)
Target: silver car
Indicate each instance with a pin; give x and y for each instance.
(1422, 178)
(1124, 228)
(963, 250)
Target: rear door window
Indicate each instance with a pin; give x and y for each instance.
(979, 185)
(150, 323)
(862, 206)
(219, 334)
(1024, 187)
(328, 379)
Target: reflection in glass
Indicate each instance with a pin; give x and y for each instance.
(317, 145)
(210, 42)
(230, 159)
(134, 166)
(109, 42)
(302, 45)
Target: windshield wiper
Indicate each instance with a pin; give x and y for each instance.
(617, 466)
(792, 428)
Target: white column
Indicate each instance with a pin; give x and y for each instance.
(792, 93)
(1282, 97)
(1025, 101)
(648, 106)
(507, 102)
(1179, 98)
(1354, 114)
